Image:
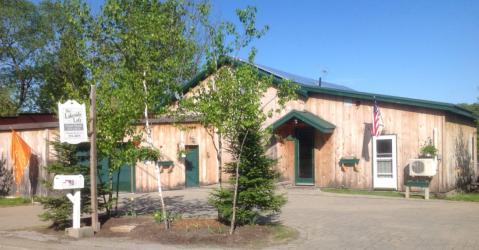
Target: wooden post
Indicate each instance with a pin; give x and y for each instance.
(93, 160)
(407, 191)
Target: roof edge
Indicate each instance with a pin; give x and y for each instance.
(393, 99)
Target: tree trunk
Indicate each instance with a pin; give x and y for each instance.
(150, 142)
(238, 160)
(233, 218)
(110, 175)
(117, 190)
(218, 159)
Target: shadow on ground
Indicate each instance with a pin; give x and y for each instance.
(148, 204)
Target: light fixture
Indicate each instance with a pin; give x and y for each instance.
(192, 138)
(295, 121)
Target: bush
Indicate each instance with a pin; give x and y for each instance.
(256, 184)
(67, 162)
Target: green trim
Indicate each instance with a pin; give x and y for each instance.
(308, 117)
(165, 163)
(417, 184)
(349, 161)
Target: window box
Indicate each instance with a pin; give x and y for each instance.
(165, 163)
(349, 161)
(417, 184)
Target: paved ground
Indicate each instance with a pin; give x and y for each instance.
(325, 221)
(20, 217)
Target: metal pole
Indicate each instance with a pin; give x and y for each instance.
(93, 160)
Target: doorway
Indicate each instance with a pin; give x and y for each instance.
(304, 156)
(384, 162)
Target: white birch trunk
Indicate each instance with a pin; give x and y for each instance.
(150, 143)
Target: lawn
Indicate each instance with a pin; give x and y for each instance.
(4, 202)
(377, 193)
(461, 197)
(464, 197)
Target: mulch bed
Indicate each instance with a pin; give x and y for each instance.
(148, 231)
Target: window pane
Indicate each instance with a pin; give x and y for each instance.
(384, 148)
(305, 155)
(385, 166)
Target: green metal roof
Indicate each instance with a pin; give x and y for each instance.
(306, 89)
(308, 117)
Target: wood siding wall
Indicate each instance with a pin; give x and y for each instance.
(168, 138)
(164, 135)
(352, 137)
(33, 172)
(458, 130)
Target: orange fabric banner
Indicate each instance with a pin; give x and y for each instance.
(20, 153)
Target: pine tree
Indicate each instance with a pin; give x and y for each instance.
(68, 162)
(256, 184)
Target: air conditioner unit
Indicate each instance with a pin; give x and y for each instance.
(422, 167)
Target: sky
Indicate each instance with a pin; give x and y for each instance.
(423, 49)
(427, 50)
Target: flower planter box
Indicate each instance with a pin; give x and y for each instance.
(343, 163)
(349, 161)
(165, 163)
(417, 184)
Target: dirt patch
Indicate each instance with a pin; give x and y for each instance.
(197, 233)
(185, 232)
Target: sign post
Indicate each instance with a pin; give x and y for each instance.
(93, 160)
(73, 130)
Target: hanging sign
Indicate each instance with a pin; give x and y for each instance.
(72, 122)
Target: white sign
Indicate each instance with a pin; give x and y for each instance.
(73, 129)
(68, 182)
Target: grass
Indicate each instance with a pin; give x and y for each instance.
(4, 202)
(282, 233)
(377, 193)
(474, 197)
(464, 197)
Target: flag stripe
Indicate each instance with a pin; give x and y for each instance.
(375, 122)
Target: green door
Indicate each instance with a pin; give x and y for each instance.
(304, 156)
(192, 168)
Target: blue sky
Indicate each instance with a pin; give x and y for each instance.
(419, 49)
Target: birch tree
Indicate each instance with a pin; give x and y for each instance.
(137, 52)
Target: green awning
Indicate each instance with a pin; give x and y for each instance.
(307, 117)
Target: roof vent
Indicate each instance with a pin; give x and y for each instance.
(320, 82)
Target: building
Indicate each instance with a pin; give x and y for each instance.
(318, 134)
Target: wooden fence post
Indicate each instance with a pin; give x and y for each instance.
(93, 160)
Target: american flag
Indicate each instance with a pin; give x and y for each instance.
(375, 124)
